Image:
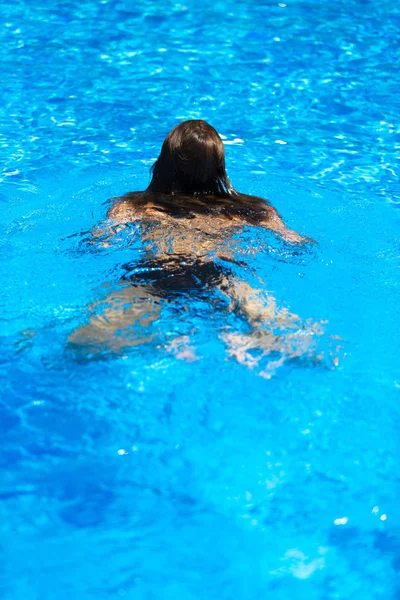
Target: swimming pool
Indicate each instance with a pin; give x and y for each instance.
(146, 477)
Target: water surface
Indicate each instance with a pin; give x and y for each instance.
(143, 476)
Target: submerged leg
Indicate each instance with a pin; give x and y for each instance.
(122, 319)
(275, 333)
(250, 349)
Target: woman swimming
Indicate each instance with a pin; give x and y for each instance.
(187, 218)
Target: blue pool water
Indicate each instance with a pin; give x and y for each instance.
(149, 478)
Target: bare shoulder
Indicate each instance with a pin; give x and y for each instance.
(124, 210)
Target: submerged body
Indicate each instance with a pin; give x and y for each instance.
(189, 248)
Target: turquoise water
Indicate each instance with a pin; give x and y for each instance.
(142, 476)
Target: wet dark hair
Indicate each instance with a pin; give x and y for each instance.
(189, 178)
(191, 161)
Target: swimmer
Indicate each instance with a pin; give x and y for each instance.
(186, 220)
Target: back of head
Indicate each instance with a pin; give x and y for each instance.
(192, 161)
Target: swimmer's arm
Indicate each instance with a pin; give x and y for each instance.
(274, 222)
